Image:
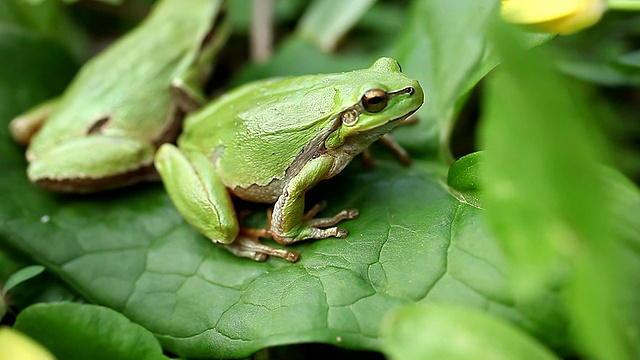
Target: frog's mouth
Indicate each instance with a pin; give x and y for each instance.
(405, 116)
(398, 120)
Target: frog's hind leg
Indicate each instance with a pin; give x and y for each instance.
(203, 201)
(93, 163)
(197, 193)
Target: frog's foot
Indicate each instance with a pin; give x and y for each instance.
(400, 153)
(411, 120)
(320, 228)
(248, 245)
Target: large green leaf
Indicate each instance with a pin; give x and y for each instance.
(130, 250)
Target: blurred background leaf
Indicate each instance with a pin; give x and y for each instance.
(450, 332)
(77, 332)
(464, 179)
(26, 70)
(20, 276)
(48, 19)
(325, 22)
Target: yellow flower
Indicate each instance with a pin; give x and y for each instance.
(14, 345)
(556, 16)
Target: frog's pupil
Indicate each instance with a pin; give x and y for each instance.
(375, 100)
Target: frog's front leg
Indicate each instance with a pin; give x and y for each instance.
(23, 127)
(289, 223)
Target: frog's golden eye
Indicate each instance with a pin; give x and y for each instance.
(375, 100)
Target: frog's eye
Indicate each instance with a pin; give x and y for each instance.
(375, 100)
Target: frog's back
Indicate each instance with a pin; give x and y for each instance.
(129, 85)
(255, 132)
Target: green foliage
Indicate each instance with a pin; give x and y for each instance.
(319, 24)
(541, 270)
(20, 276)
(73, 331)
(548, 198)
(47, 19)
(450, 332)
(464, 179)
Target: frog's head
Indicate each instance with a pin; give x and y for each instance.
(384, 98)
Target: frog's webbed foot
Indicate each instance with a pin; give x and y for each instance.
(318, 228)
(248, 245)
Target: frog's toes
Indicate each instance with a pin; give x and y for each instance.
(342, 233)
(311, 232)
(250, 247)
(351, 213)
(320, 228)
(346, 214)
(314, 210)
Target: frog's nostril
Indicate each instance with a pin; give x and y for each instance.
(411, 90)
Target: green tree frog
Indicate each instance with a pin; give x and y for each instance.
(104, 130)
(270, 141)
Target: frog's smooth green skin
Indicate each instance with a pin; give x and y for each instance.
(104, 130)
(270, 141)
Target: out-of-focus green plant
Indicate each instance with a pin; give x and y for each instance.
(449, 332)
(81, 331)
(548, 196)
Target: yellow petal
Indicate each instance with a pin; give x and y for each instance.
(536, 11)
(588, 16)
(556, 16)
(14, 345)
